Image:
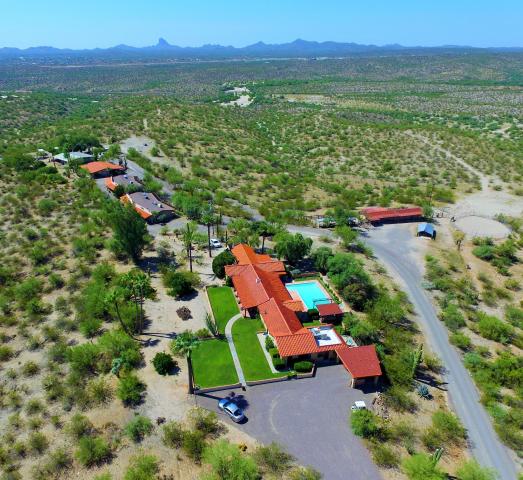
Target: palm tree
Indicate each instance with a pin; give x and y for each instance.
(188, 239)
(208, 218)
(137, 287)
(264, 230)
(183, 345)
(112, 298)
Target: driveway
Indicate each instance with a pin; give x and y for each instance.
(309, 417)
(396, 246)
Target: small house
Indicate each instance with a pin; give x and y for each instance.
(80, 157)
(125, 181)
(149, 207)
(102, 169)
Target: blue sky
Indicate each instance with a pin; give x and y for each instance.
(104, 23)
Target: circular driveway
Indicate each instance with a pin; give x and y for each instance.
(309, 417)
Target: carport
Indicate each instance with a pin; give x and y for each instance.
(361, 362)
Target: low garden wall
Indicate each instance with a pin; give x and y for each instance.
(199, 391)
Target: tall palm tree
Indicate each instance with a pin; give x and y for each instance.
(188, 239)
(184, 344)
(208, 218)
(112, 298)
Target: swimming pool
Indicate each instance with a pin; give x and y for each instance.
(310, 293)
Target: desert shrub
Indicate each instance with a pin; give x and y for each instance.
(446, 429)
(273, 458)
(227, 462)
(138, 428)
(179, 284)
(79, 426)
(5, 353)
(384, 456)
(56, 463)
(364, 423)
(99, 391)
(92, 451)
(452, 317)
(460, 340)
(173, 434)
(493, 328)
(472, 470)
(164, 363)
(304, 473)
(142, 467)
(514, 316)
(30, 368)
(220, 261)
(130, 389)
(422, 467)
(397, 397)
(303, 366)
(193, 445)
(37, 443)
(204, 421)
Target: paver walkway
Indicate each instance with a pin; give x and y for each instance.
(236, 360)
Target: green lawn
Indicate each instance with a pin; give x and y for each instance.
(213, 365)
(253, 361)
(223, 304)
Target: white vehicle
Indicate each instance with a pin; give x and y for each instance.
(358, 405)
(215, 243)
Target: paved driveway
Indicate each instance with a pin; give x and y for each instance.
(395, 245)
(309, 417)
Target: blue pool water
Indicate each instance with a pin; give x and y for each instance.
(310, 292)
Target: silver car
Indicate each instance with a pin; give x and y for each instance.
(231, 409)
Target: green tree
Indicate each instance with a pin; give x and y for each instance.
(321, 257)
(265, 229)
(184, 344)
(188, 238)
(220, 261)
(292, 247)
(129, 230)
(208, 219)
(137, 287)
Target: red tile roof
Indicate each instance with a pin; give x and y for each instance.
(329, 309)
(279, 319)
(361, 362)
(97, 167)
(257, 280)
(246, 255)
(376, 214)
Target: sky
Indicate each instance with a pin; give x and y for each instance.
(105, 23)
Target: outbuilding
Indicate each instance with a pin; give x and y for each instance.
(80, 157)
(329, 312)
(426, 230)
(102, 169)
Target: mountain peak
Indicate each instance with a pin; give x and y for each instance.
(162, 43)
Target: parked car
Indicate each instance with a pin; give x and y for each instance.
(215, 243)
(231, 409)
(358, 405)
(325, 222)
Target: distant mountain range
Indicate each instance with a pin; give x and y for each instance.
(298, 48)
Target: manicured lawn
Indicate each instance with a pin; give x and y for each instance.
(223, 304)
(213, 365)
(253, 361)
